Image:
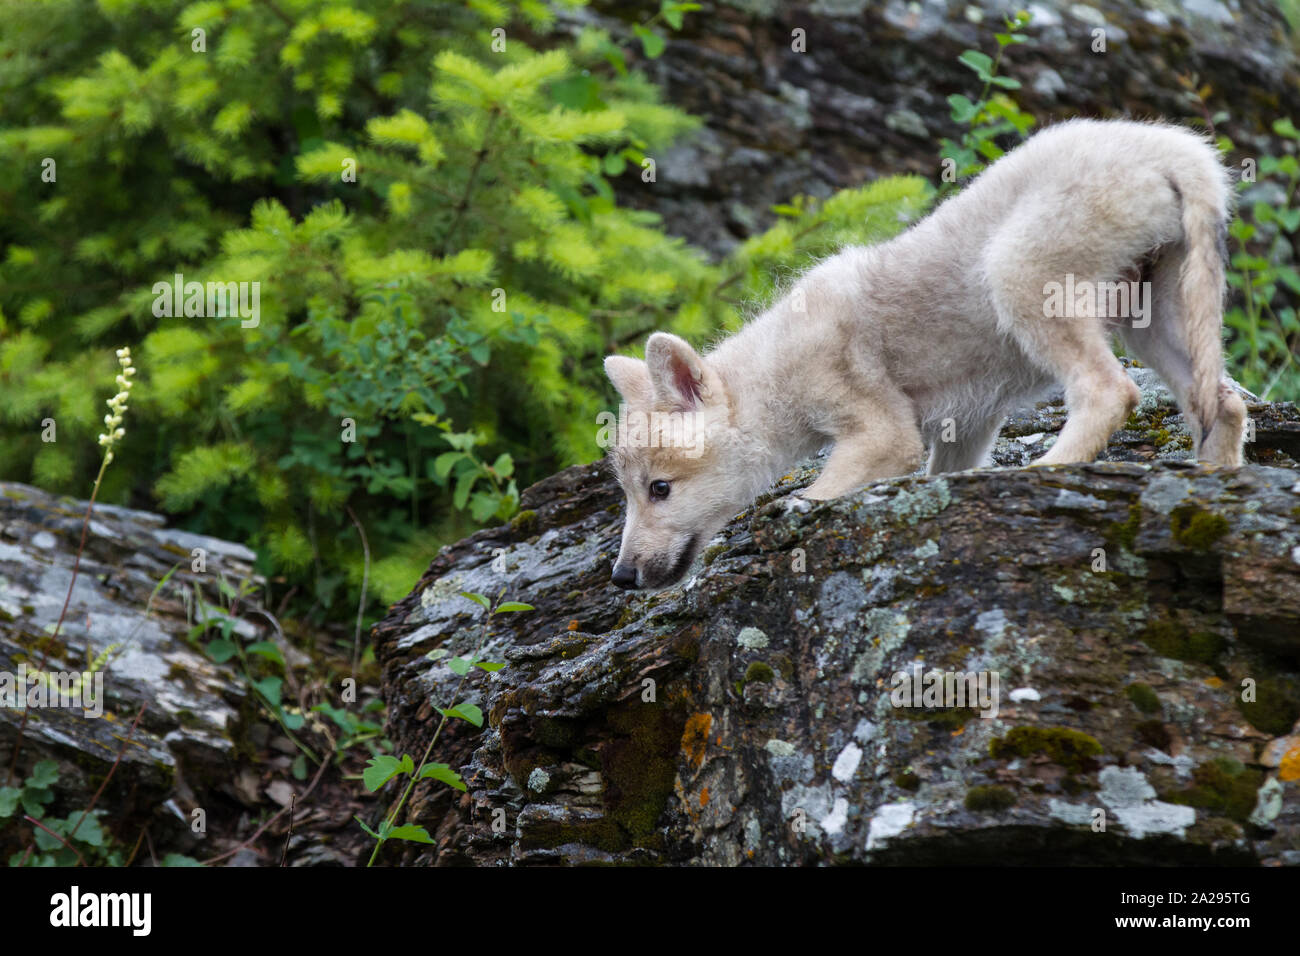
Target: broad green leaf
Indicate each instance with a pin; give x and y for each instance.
(410, 832)
(981, 63)
(467, 712)
(963, 110)
(510, 607)
(221, 650)
(652, 43)
(440, 771)
(443, 464)
(266, 649)
(1284, 127)
(44, 773)
(384, 768)
(269, 687)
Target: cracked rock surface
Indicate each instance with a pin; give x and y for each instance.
(1141, 614)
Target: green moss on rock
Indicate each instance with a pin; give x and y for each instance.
(639, 766)
(1072, 749)
(907, 780)
(1143, 698)
(711, 553)
(990, 797)
(759, 671)
(1194, 527)
(1170, 638)
(1125, 532)
(1221, 786)
(524, 523)
(1275, 709)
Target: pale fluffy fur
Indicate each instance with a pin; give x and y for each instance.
(946, 322)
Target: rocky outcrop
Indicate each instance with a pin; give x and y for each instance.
(1140, 614)
(865, 93)
(135, 636)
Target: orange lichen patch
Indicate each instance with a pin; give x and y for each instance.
(695, 738)
(573, 625)
(958, 732)
(1214, 682)
(704, 797)
(1289, 768)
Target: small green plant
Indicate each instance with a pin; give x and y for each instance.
(384, 767)
(59, 841)
(488, 490)
(992, 115)
(1266, 327)
(355, 730)
(228, 646)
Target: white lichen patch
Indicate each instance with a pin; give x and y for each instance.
(1268, 803)
(807, 806)
(1155, 818)
(846, 764)
(1070, 813)
(752, 639)
(834, 821)
(780, 748)
(1076, 501)
(889, 821)
(1126, 792)
(927, 550)
(925, 501)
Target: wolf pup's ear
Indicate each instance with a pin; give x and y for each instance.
(678, 375)
(630, 377)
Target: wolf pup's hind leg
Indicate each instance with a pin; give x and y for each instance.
(1076, 350)
(1162, 346)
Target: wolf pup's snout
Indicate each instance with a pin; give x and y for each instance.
(624, 576)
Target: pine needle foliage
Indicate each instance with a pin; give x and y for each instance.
(422, 193)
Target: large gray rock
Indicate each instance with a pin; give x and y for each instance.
(747, 715)
(184, 748)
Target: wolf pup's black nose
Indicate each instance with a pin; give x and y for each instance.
(624, 576)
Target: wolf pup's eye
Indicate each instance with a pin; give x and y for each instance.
(659, 490)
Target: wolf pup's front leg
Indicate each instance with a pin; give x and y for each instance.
(885, 445)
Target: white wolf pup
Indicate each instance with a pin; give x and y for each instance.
(958, 318)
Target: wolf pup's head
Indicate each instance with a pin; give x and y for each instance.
(678, 457)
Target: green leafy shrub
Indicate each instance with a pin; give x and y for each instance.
(1262, 315)
(422, 196)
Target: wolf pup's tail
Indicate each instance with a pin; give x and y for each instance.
(1217, 410)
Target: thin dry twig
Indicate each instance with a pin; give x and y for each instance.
(320, 771)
